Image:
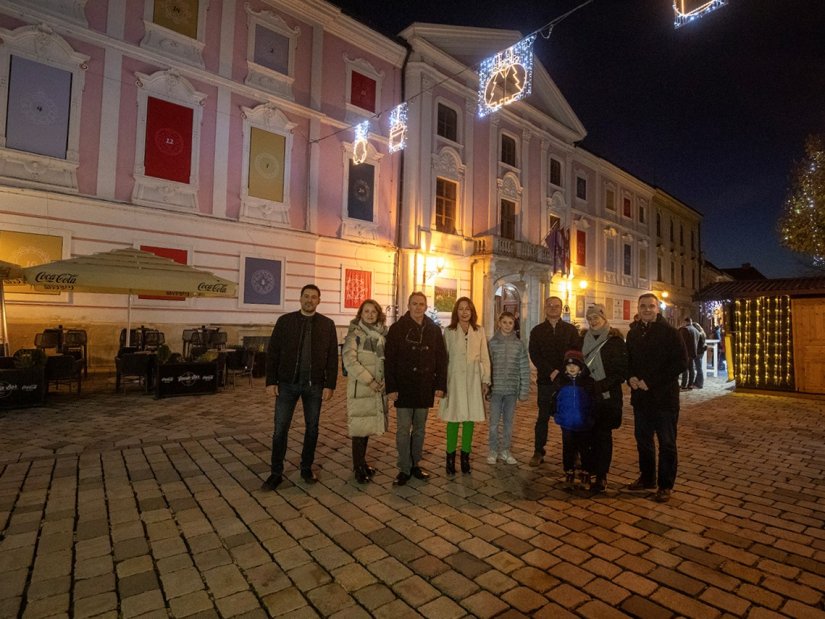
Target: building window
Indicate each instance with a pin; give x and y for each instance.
(643, 263)
(692, 241)
(682, 274)
(693, 278)
(447, 122)
(672, 237)
(360, 191)
(508, 151)
(555, 172)
(672, 273)
(270, 52)
(659, 269)
(581, 248)
(682, 235)
(627, 208)
(642, 214)
(610, 255)
(659, 225)
(610, 200)
(363, 89)
(445, 205)
(581, 188)
(176, 28)
(628, 260)
(508, 219)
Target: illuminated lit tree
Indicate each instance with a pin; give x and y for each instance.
(802, 222)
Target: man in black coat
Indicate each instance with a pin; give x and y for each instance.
(415, 371)
(656, 358)
(301, 362)
(548, 343)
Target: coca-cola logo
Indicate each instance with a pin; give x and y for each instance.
(6, 389)
(56, 278)
(205, 287)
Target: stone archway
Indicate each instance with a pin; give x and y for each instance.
(508, 298)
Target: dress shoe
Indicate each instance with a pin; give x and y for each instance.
(599, 485)
(536, 459)
(419, 473)
(361, 475)
(639, 485)
(272, 482)
(662, 495)
(401, 479)
(370, 471)
(309, 477)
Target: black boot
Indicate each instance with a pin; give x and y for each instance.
(450, 463)
(465, 461)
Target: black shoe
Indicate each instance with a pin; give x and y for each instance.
(465, 461)
(599, 485)
(662, 495)
(401, 479)
(640, 484)
(370, 471)
(309, 477)
(361, 475)
(272, 482)
(450, 463)
(418, 473)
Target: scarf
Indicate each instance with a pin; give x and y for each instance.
(375, 334)
(592, 344)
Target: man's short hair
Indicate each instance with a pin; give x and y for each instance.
(311, 287)
(648, 294)
(688, 321)
(417, 293)
(550, 298)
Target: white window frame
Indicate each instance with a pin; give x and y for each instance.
(258, 76)
(509, 188)
(242, 279)
(626, 195)
(359, 228)
(550, 161)
(364, 67)
(22, 168)
(583, 176)
(459, 121)
(73, 11)
(447, 165)
(517, 142)
(610, 186)
(173, 44)
(266, 117)
(158, 192)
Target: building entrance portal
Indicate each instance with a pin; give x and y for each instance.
(508, 299)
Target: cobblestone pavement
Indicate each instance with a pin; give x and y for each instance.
(121, 505)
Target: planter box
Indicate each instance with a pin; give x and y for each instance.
(174, 379)
(21, 388)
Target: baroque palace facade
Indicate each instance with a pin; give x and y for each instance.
(220, 134)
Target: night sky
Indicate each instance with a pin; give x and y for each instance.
(714, 113)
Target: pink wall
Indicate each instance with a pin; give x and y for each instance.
(134, 30)
(96, 14)
(90, 118)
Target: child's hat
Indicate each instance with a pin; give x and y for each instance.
(575, 357)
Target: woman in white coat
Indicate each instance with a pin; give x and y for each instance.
(468, 381)
(363, 355)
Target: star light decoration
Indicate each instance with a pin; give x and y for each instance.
(506, 77)
(359, 146)
(398, 128)
(691, 10)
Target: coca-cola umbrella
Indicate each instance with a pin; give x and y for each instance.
(128, 271)
(12, 272)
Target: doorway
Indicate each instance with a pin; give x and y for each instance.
(508, 299)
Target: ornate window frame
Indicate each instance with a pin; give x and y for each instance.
(73, 11)
(148, 190)
(355, 113)
(611, 187)
(170, 43)
(550, 161)
(447, 164)
(509, 188)
(516, 147)
(266, 117)
(262, 77)
(459, 128)
(41, 44)
(359, 228)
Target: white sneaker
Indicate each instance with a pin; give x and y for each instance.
(508, 457)
(491, 459)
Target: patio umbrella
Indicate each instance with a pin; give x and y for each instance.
(128, 271)
(8, 271)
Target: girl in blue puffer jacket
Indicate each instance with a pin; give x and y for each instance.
(574, 390)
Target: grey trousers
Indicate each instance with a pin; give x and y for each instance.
(409, 436)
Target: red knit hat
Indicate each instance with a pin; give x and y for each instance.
(574, 356)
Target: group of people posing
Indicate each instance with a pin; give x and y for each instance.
(412, 363)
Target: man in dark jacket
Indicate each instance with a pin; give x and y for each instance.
(415, 371)
(301, 362)
(548, 343)
(656, 358)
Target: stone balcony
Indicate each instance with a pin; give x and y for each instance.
(508, 248)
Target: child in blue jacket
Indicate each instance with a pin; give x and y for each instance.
(574, 391)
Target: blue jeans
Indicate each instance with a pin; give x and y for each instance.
(502, 410)
(699, 381)
(409, 436)
(288, 395)
(662, 424)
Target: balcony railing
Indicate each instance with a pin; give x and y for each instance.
(499, 246)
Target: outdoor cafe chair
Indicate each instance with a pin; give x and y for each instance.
(75, 344)
(64, 370)
(135, 366)
(48, 339)
(239, 362)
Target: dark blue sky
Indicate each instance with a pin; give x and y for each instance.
(714, 113)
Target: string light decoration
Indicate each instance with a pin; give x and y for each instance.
(359, 146)
(398, 128)
(688, 11)
(763, 347)
(506, 77)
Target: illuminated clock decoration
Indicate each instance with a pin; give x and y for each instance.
(359, 146)
(688, 11)
(506, 77)
(398, 128)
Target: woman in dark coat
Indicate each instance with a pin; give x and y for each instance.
(606, 357)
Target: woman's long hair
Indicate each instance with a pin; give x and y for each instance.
(382, 318)
(473, 314)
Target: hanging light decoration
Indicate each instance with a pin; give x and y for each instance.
(506, 77)
(359, 146)
(398, 128)
(691, 10)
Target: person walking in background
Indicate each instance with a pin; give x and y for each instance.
(363, 355)
(301, 363)
(656, 357)
(574, 391)
(548, 343)
(468, 381)
(699, 359)
(690, 339)
(511, 381)
(415, 372)
(606, 357)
